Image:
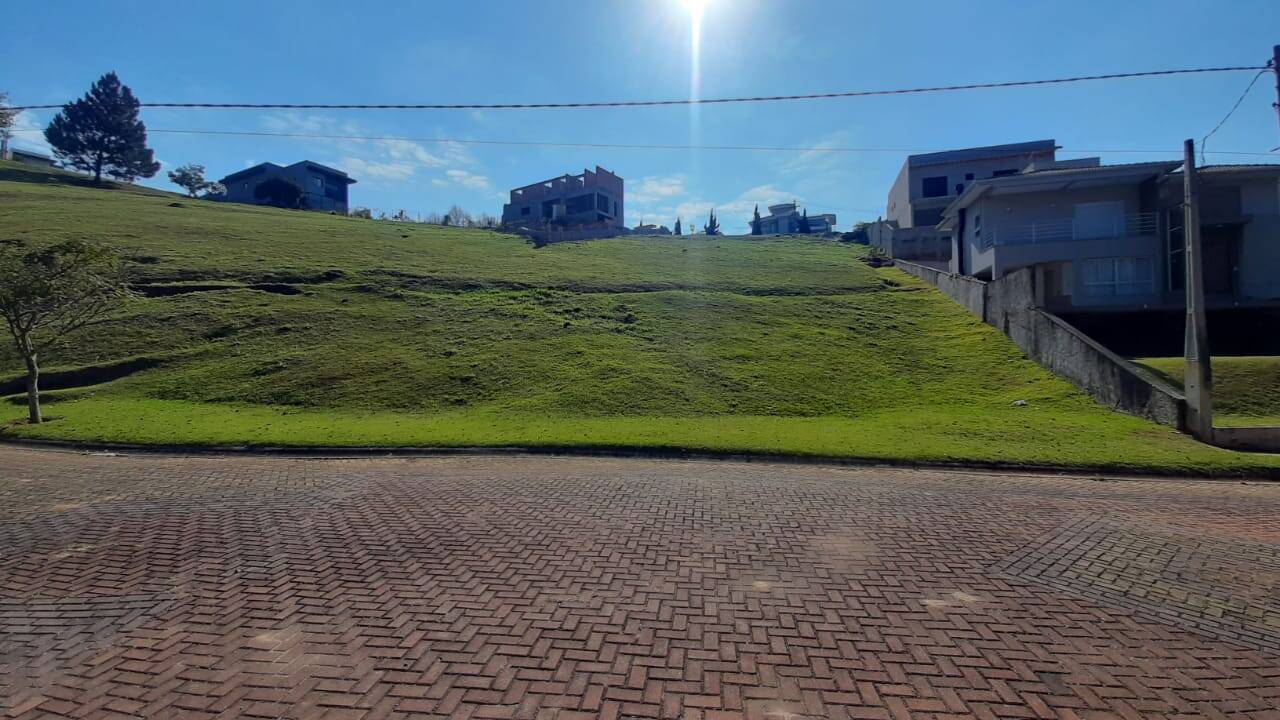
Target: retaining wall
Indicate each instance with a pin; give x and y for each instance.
(1262, 439)
(967, 291)
(1009, 304)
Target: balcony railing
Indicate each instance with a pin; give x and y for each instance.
(1069, 229)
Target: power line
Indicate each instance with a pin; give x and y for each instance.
(680, 101)
(625, 146)
(1233, 109)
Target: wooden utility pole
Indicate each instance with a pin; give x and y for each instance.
(1199, 375)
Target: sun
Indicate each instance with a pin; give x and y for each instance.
(695, 7)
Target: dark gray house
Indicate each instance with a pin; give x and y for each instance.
(589, 198)
(324, 188)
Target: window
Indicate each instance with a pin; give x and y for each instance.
(1098, 220)
(318, 182)
(968, 176)
(525, 210)
(1004, 173)
(580, 204)
(934, 187)
(1118, 276)
(602, 203)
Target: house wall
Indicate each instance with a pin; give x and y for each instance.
(906, 197)
(899, 203)
(1259, 268)
(1008, 213)
(316, 198)
(241, 190)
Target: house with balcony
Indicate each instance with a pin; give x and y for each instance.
(1109, 237)
(592, 198)
(323, 187)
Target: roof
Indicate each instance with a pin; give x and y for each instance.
(982, 153)
(325, 169)
(1253, 169)
(263, 167)
(1057, 180)
(31, 154)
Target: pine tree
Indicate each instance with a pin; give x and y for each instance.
(712, 227)
(677, 231)
(804, 223)
(101, 133)
(755, 221)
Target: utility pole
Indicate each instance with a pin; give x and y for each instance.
(1275, 68)
(1198, 382)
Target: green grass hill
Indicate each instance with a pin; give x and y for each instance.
(273, 327)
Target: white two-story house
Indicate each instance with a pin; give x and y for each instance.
(1108, 237)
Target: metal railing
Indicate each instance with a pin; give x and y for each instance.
(1069, 229)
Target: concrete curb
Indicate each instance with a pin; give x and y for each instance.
(323, 452)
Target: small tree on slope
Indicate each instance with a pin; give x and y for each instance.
(191, 179)
(101, 133)
(48, 292)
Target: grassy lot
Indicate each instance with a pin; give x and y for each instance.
(394, 334)
(1246, 390)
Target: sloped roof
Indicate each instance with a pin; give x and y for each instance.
(263, 167)
(1058, 179)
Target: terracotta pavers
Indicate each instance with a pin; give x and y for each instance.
(488, 587)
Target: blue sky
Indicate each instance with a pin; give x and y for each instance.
(563, 51)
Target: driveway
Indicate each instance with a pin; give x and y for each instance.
(539, 587)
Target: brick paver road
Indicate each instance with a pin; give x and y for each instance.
(148, 586)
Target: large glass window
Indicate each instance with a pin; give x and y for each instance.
(1118, 276)
(934, 187)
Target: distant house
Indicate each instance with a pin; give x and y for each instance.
(929, 182)
(586, 199)
(784, 219)
(27, 157)
(324, 188)
(651, 230)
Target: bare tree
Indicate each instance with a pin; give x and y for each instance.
(48, 292)
(459, 217)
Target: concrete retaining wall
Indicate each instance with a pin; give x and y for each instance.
(967, 291)
(1009, 304)
(1260, 439)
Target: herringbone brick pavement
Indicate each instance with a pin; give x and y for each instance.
(483, 587)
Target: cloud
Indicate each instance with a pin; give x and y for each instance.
(361, 168)
(654, 189)
(28, 133)
(733, 213)
(364, 155)
(466, 179)
(819, 158)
